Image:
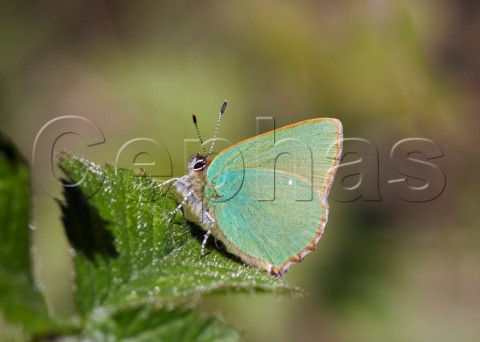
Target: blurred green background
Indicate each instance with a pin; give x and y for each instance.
(385, 270)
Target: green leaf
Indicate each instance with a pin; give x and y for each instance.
(20, 299)
(149, 324)
(126, 254)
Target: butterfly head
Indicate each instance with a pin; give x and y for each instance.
(197, 164)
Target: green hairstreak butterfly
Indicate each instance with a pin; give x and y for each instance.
(265, 197)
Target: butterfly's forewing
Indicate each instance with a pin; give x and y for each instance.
(309, 149)
(268, 194)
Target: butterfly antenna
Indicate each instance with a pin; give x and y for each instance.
(194, 117)
(224, 106)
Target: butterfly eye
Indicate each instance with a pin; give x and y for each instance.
(199, 165)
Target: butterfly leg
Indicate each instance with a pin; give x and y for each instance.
(204, 243)
(174, 180)
(211, 221)
(179, 207)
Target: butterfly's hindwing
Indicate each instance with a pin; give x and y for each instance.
(273, 229)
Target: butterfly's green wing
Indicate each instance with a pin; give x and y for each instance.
(268, 194)
(309, 149)
(272, 231)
